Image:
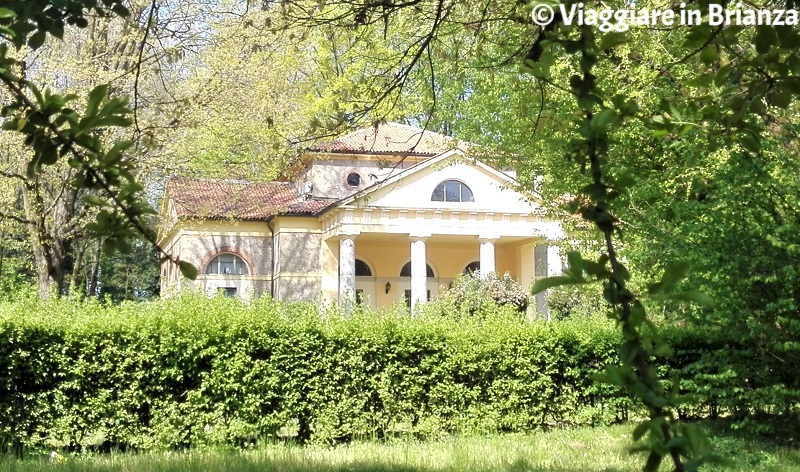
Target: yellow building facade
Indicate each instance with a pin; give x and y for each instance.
(383, 215)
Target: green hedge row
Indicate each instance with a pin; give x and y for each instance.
(194, 371)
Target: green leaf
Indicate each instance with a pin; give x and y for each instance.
(790, 84)
(698, 439)
(693, 296)
(123, 245)
(543, 284)
(188, 270)
(112, 120)
(575, 261)
(750, 142)
(615, 375)
(780, 99)
(765, 38)
(600, 120)
(32, 168)
(6, 13)
(697, 36)
(121, 10)
(709, 55)
(109, 247)
(701, 81)
(601, 377)
(790, 39)
(96, 96)
(49, 154)
(641, 430)
(37, 39)
(129, 190)
(94, 200)
(722, 74)
(115, 154)
(628, 352)
(57, 29)
(612, 39)
(673, 274)
(677, 442)
(637, 315)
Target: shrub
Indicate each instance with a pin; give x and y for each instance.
(474, 293)
(191, 371)
(576, 301)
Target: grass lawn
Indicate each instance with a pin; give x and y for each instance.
(586, 449)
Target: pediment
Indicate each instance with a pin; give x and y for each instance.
(492, 190)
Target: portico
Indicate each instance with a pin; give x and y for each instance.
(437, 246)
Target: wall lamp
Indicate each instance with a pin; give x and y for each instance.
(388, 287)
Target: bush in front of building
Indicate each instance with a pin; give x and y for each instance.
(191, 371)
(475, 294)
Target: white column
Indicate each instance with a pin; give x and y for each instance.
(541, 255)
(347, 270)
(554, 264)
(548, 264)
(419, 276)
(487, 257)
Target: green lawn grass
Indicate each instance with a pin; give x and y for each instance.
(585, 449)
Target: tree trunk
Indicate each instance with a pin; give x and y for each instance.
(95, 270)
(50, 246)
(78, 282)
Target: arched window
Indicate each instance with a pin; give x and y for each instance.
(474, 266)
(452, 191)
(362, 269)
(406, 270)
(227, 264)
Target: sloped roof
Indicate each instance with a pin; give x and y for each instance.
(216, 199)
(388, 138)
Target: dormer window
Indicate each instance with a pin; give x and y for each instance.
(452, 191)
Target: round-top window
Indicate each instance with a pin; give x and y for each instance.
(354, 179)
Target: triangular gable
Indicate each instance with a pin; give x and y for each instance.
(413, 187)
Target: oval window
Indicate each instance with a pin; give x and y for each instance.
(354, 179)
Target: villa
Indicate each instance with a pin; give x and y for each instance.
(382, 215)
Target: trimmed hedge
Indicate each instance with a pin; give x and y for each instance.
(192, 371)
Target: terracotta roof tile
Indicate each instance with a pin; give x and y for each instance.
(389, 138)
(196, 198)
(309, 207)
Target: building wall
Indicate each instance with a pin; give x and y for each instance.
(329, 176)
(199, 242)
(329, 261)
(298, 272)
